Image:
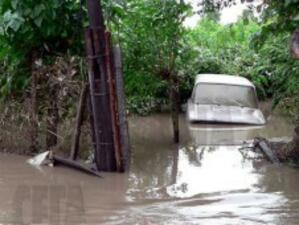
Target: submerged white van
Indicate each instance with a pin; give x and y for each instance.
(224, 99)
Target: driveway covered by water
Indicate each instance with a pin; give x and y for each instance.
(196, 182)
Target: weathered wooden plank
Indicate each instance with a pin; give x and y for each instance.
(79, 121)
(122, 114)
(263, 145)
(75, 165)
(113, 104)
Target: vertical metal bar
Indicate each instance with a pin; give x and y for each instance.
(90, 61)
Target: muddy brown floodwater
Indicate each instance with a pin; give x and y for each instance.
(196, 182)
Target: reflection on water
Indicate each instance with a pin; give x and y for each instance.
(190, 183)
(206, 134)
(220, 168)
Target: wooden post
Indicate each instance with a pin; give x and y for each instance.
(79, 121)
(113, 104)
(123, 124)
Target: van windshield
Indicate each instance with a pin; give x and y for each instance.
(223, 94)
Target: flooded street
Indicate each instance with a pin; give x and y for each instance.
(196, 182)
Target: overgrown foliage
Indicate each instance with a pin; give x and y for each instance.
(154, 39)
(230, 49)
(30, 30)
(150, 33)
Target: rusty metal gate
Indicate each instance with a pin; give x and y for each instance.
(108, 118)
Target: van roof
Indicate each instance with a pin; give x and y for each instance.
(223, 79)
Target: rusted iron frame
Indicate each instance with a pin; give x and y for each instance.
(90, 63)
(113, 103)
(102, 78)
(106, 115)
(100, 105)
(91, 66)
(104, 154)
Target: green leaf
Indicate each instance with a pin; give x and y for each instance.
(1, 26)
(38, 9)
(38, 21)
(14, 4)
(27, 12)
(287, 3)
(296, 18)
(12, 20)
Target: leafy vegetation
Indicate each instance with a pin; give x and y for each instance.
(154, 40)
(35, 29)
(247, 48)
(150, 33)
(230, 49)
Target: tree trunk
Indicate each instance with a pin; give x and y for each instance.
(174, 102)
(52, 119)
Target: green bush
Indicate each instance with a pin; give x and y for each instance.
(231, 50)
(145, 92)
(223, 49)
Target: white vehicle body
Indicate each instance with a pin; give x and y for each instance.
(224, 99)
